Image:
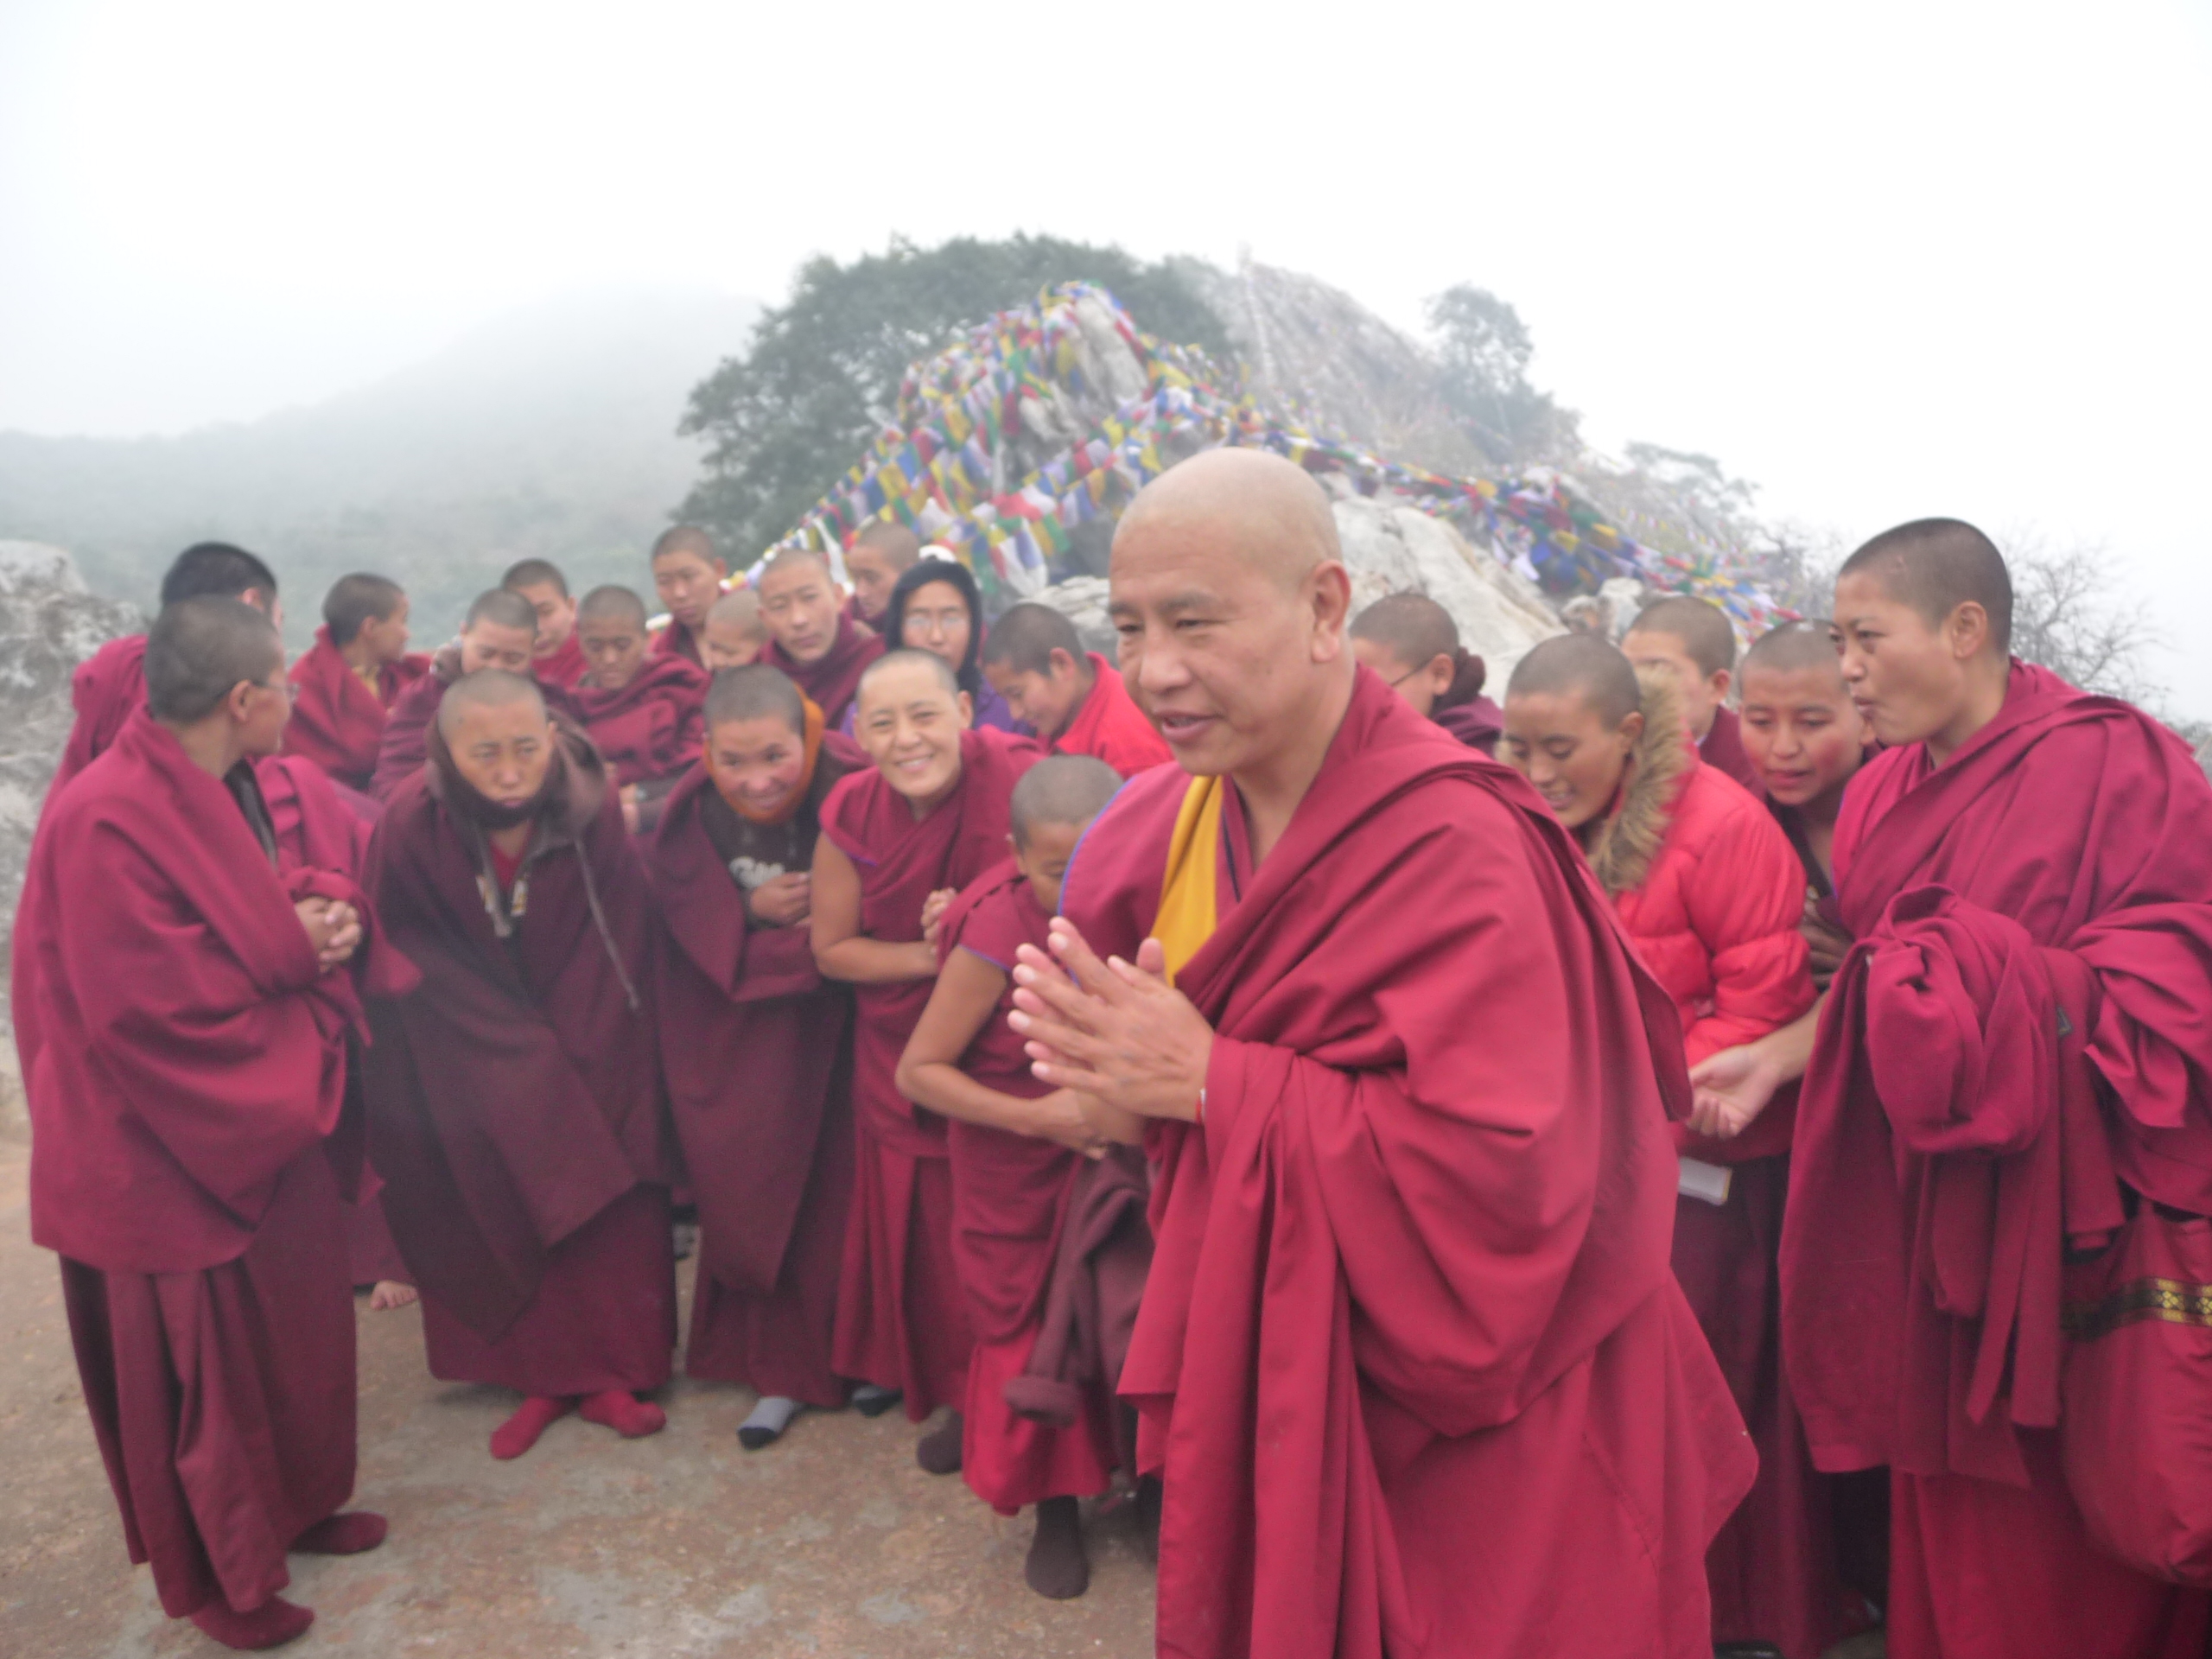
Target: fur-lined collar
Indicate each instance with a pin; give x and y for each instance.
(1630, 838)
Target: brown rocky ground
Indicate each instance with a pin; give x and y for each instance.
(679, 1547)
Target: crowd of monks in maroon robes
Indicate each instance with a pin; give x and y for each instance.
(1729, 1171)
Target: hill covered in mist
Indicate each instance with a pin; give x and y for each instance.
(549, 432)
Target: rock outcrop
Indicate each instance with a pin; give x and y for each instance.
(1392, 548)
(48, 624)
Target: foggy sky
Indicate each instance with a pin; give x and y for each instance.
(1899, 260)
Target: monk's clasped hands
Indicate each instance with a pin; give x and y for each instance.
(1115, 1032)
(334, 929)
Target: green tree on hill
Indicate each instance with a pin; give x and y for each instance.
(821, 376)
(1483, 349)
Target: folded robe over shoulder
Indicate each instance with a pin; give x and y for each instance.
(337, 722)
(107, 688)
(184, 1058)
(1411, 1359)
(516, 1094)
(900, 1322)
(758, 1052)
(654, 727)
(833, 679)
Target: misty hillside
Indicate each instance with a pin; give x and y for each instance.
(547, 432)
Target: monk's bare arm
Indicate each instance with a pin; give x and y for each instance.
(966, 998)
(840, 950)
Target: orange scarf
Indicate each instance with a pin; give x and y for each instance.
(793, 802)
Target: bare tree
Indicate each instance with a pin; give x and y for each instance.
(2066, 617)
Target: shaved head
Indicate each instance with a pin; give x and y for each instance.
(356, 600)
(1026, 636)
(1703, 627)
(535, 573)
(612, 604)
(684, 538)
(1581, 666)
(1935, 565)
(1283, 523)
(739, 608)
(895, 662)
(502, 607)
(217, 570)
(488, 688)
(757, 691)
(1413, 627)
(199, 649)
(1794, 647)
(1070, 789)
(792, 558)
(897, 545)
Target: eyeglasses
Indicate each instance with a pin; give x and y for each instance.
(290, 689)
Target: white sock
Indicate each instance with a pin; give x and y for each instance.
(769, 1420)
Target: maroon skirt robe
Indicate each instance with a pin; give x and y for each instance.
(184, 1058)
(757, 1049)
(902, 1322)
(515, 1097)
(1010, 1199)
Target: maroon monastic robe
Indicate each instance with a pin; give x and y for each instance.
(1010, 1197)
(563, 665)
(677, 640)
(1411, 1360)
(652, 728)
(184, 1058)
(2023, 1023)
(758, 1054)
(832, 680)
(107, 688)
(515, 1097)
(337, 722)
(901, 1322)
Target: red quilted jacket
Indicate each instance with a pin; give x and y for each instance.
(1708, 888)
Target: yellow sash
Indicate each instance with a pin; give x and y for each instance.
(1186, 892)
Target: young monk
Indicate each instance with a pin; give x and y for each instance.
(347, 681)
(515, 1097)
(1412, 642)
(1073, 699)
(733, 635)
(1410, 1355)
(811, 640)
(1707, 886)
(500, 631)
(646, 712)
(1694, 640)
(110, 686)
(880, 553)
(182, 1019)
(898, 842)
(2014, 1038)
(758, 1048)
(1807, 742)
(687, 577)
(559, 659)
(1016, 1146)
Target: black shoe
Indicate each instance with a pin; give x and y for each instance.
(1746, 1650)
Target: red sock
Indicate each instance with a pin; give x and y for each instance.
(276, 1622)
(342, 1535)
(623, 1412)
(532, 1418)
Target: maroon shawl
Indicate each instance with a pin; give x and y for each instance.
(180, 1045)
(753, 1041)
(832, 680)
(2028, 1010)
(517, 1092)
(901, 861)
(653, 727)
(337, 722)
(1433, 1178)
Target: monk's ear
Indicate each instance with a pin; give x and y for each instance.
(1631, 730)
(1965, 631)
(1721, 680)
(1442, 672)
(238, 702)
(1328, 590)
(1061, 664)
(966, 705)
